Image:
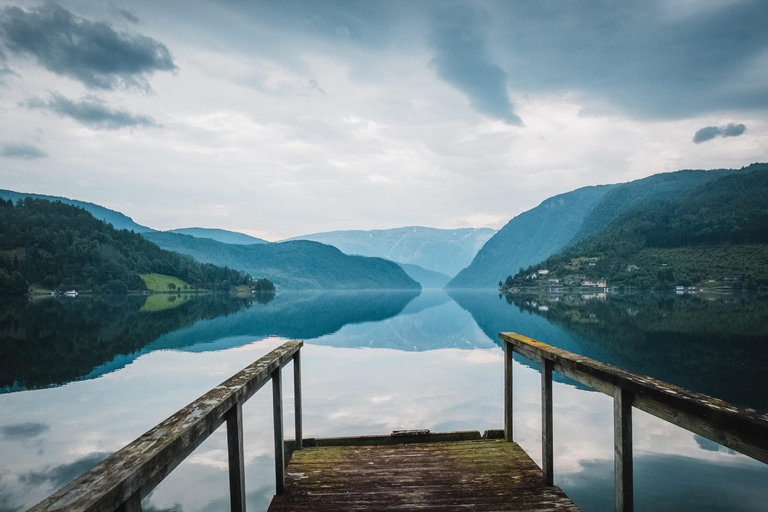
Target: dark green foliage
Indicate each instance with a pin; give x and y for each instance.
(297, 264)
(566, 219)
(53, 341)
(714, 231)
(59, 246)
(530, 237)
(263, 285)
(220, 235)
(117, 219)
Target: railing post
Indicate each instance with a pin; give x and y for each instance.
(234, 419)
(277, 412)
(622, 448)
(508, 410)
(132, 504)
(547, 452)
(297, 399)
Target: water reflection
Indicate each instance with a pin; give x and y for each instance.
(717, 347)
(50, 342)
(374, 363)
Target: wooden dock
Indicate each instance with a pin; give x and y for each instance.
(405, 470)
(421, 471)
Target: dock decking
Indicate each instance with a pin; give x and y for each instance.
(430, 472)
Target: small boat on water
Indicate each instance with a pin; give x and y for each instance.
(71, 293)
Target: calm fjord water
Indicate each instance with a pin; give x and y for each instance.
(82, 377)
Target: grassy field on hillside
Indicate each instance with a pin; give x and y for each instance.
(162, 283)
(155, 303)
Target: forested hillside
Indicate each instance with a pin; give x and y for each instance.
(564, 220)
(530, 237)
(59, 246)
(713, 231)
(220, 235)
(298, 264)
(117, 219)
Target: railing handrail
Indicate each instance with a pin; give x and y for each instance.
(123, 479)
(741, 429)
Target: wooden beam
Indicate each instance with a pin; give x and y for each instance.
(236, 461)
(741, 429)
(141, 465)
(508, 388)
(547, 435)
(622, 449)
(297, 399)
(132, 504)
(277, 413)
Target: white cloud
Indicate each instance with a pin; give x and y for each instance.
(386, 143)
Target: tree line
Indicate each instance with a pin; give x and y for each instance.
(60, 247)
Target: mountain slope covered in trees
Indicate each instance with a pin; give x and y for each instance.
(714, 230)
(298, 264)
(220, 235)
(564, 220)
(117, 219)
(55, 245)
(530, 237)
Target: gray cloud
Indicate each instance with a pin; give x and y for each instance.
(23, 431)
(462, 58)
(92, 112)
(643, 57)
(23, 151)
(127, 16)
(90, 52)
(710, 132)
(314, 85)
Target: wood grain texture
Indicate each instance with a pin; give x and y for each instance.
(739, 428)
(460, 475)
(136, 469)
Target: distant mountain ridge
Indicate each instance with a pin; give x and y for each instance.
(698, 237)
(441, 250)
(220, 235)
(117, 219)
(566, 219)
(299, 264)
(530, 237)
(428, 279)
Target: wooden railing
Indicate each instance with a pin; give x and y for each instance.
(740, 429)
(121, 481)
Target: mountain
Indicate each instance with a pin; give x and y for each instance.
(299, 264)
(530, 237)
(117, 219)
(442, 250)
(220, 235)
(716, 230)
(568, 218)
(428, 279)
(56, 245)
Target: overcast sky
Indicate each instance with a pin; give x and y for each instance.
(284, 118)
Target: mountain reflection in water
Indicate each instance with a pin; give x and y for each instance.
(373, 362)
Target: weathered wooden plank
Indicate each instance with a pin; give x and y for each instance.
(547, 429)
(140, 466)
(431, 437)
(476, 475)
(741, 429)
(277, 414)
(297, 401)
(622, 448)
(508, 395)
(234, 420)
